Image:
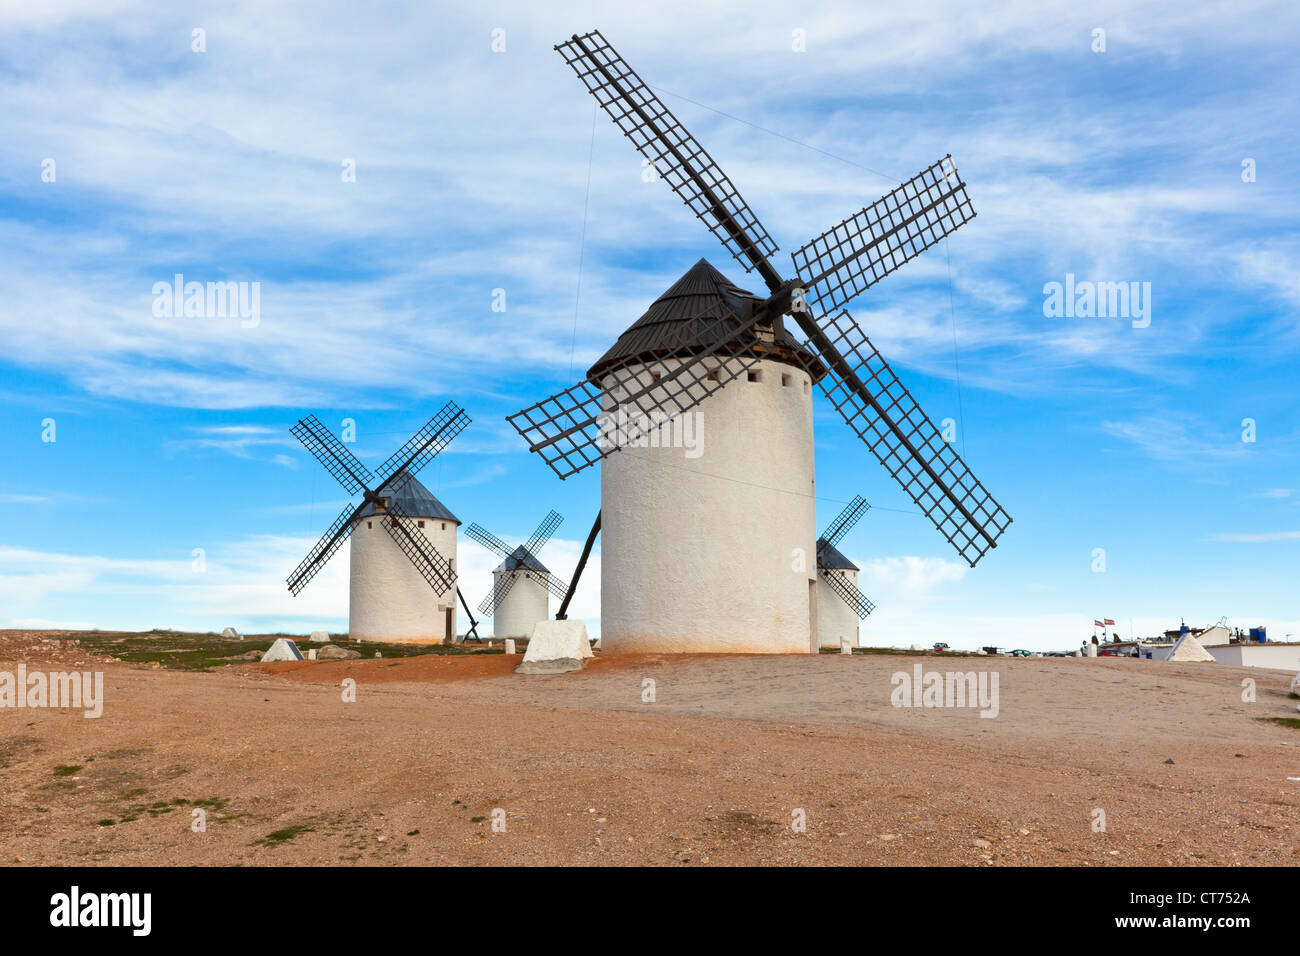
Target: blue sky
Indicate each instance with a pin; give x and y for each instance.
(472, 175)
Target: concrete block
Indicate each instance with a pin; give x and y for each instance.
(282, 650)
(555, 648)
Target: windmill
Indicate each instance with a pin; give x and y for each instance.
(391, 575)
(840, 605)
(711, 353)
(521, 584)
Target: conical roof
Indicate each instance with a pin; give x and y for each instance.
(518, 556)
(829, 556)
(684, 319)
(416, 500)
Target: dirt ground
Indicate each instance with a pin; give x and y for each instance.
(732, 754)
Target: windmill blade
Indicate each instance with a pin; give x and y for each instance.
(499, 590)
(883, 413)
(674, 153)
(572, 430)
(543, 533)
(422, 447)
(845, 261)
(330, 542)
(850, 595)
(845, 520)
(427, 559)
(486, 538)
(556, 586)
(333, 454)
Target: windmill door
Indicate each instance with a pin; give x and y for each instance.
(447, 635)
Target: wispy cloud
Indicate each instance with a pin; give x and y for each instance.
(1263, 537)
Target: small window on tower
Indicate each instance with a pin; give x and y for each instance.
(806, 386)
(786, 380)
(755, 375)
(370, 524)
(444, 526)
(655, 376)
(420, 523)
(712, 376)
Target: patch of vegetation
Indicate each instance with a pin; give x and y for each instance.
(899, 651)
(1294, 696)
(162, 807)
(279, 837)
(66, 769)
(1283, 721)
(185, 651)
(477, 819)
(107, 822)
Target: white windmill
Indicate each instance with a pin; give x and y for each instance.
(389, 598)
(521, 584)
(705, 547)
(840, 605)
(403, 584)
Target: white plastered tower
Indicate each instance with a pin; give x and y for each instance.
(526, 602)
(708, 539)
(389, 599)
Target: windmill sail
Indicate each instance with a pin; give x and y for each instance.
(324, 549)
(333, 454)
(885, 416)
(394, 475)
(427, 559)
(577, 427)
(672, 151)
(847, 259)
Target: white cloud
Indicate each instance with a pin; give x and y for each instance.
(1261, 537)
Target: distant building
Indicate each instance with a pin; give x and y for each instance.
(1214, 636)
(1274, 655)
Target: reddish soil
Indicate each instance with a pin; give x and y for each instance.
(731, 753)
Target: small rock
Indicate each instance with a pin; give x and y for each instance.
(981, 843)
(1169, 760)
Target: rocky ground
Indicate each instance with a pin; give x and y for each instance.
(722, 767)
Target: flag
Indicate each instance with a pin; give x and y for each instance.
(1097, 624)
(1109, 622)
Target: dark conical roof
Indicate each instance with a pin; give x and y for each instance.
(829, 556)
(683, 319)
(417, 501)
(516, 556)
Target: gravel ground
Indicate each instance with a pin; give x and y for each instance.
(718, 770)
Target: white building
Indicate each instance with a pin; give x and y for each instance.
(526, 602)
(708, 525)
(389, 599)
(1273, 655)
(836, 619)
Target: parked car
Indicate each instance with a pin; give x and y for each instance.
(942, 647)
(1018, 652)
